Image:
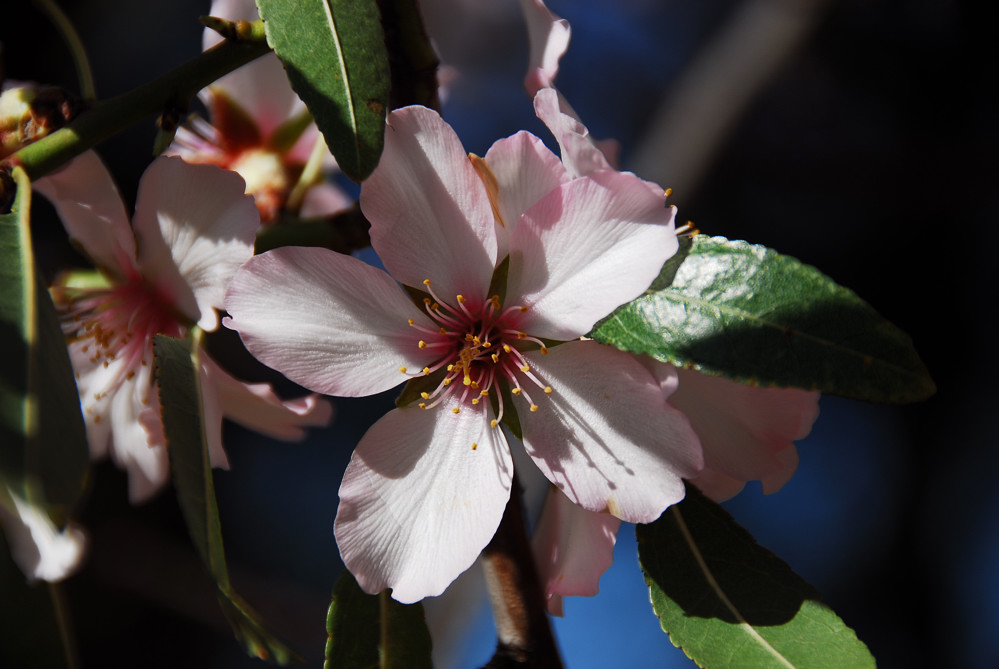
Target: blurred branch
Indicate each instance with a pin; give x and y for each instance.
(696, 115)
(164, 94)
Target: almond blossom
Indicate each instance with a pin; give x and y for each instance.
(261, 130)
(508, 261)
(193, 227)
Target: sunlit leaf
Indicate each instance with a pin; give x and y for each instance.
(357, 639)
(177, 373)
(730, 603)
(43, 445)
(335, 56)
(748, 313)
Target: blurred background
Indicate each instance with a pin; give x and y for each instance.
(856, 135)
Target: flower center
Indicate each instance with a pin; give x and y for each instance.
(114, 328)
(481, 352)
(267, 180)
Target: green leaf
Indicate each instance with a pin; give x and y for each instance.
(43, 443)
(335, 56)
(357, 638)
(177, 373)
(728, 602)
(748, 313)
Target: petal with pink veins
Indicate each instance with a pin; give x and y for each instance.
(586, 248)
(429, 211)
(327, 321)
(194, 227)
(88, 203)
(422, 496)
(605, 435)
(572, 548)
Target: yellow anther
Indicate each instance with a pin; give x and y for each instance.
(411, 322)
(669, 191)
(468, 337)
(493, 423)
(456, 410)
(506, 348)
(525, 369)
(475, 400)
(460, 298)
(484, 393)
(435, 306)
(521, 335)
(476, 341)
(450, 368)
(426, 371)
(402, 369)
(426, 282)
(534, 407)
(515, 391)
(544, 350)
(422, 344)
(422, 405)
(486, 344)
(523, 310)
(448, 381)
(475, 385)
(425, 396)
(474, 446)
(426, 300)
(495, 357)
(548, 390)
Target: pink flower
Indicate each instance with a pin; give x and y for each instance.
(254, 113)
(193, 227)
(427, 485)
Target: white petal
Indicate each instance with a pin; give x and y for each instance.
(586, 248)
(257, 407)
(194, 227)
(525, 171)
(429, 211)
(326, 321)
(605, 435)
(40, 549)
(134, 447)
(573, 548)
(324, 199)
(87, 201)
(423, 494)
(549, 38)
(580, 154)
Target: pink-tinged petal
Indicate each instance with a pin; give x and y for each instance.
(327, 321)
(134, 447)
(580, 153)
(429, 211)
(87, 201)
(194, 227)
(42, 551)
(549, 38)
(747, 432)
(423, 494)
(586, 248)
(324, 199)
(605, 435)
(525, 171)
(573, 548)
(257, 407)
